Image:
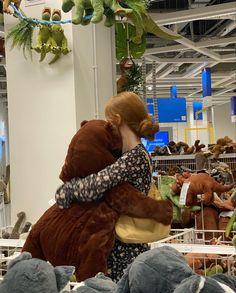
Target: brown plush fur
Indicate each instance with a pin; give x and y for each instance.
(204, 184)
(84, 234)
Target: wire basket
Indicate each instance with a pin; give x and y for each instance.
(204, 258)
(9, 249)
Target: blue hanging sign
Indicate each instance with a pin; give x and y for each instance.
(233, 109)
(197, 106)
(173, 91)
(172, 110)
(206, 82)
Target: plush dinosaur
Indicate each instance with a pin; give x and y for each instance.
(58, 45)
(15, 234)
(83, 235)
(201, 184)
(97, 6)
(51, 37)
(43, 41)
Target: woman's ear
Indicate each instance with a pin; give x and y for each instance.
(117, 119)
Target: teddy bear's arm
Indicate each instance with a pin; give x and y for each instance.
(93, 186)
(126, 199)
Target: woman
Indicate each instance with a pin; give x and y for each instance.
(128, 112)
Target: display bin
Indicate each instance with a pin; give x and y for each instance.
(193, 241)
(163, 163)
(9, 249)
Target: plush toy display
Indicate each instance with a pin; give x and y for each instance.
(51, 37)
(201, 184)
(84, 234)
(30, 275)
(159, 270)
(97, 6)
(223, 145)
(179, 148)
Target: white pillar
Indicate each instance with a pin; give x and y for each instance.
(46, 104)
(95, 72)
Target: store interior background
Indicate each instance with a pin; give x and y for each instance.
(41, 106)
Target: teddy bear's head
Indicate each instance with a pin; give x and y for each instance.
(96, 145)
(30, 275)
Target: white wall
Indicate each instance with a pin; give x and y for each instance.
(222, 122)
(47, 104)
(42, 118)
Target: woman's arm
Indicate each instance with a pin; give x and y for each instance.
(93, 186)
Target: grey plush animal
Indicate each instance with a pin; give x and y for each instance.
(30, 275)
(161, 270)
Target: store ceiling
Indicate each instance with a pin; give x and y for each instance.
(208, 30)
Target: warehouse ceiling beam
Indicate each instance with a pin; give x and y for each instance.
(226, 90)
(213, 11)
(191, 45)
(231, 76)
(202, 44)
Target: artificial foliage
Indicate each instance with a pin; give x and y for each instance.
(21, 36)
(134, 78)
(125, 47)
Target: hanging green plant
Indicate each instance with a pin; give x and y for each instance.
(21, 36)
(134, 78)
(143, 22)
(124, 46)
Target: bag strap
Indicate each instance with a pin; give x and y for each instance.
(149, 160)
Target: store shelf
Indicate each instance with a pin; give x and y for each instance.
(12, 242)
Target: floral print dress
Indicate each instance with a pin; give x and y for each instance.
(133, 166)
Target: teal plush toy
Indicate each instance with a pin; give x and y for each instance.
(31, 275)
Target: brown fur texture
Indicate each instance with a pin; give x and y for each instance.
(125, 66)
(202, 184)
(84, 234)
(210, 222)
(6, 4)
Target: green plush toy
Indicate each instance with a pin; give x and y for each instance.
(44, 36)
(58, 40)
(51, 37)
(97, 6)
(167, 194)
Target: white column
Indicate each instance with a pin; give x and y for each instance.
(46, 105)
(95, 72)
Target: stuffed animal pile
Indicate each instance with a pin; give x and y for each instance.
(223, 145)
(160, 270)
(83, 235)
(180, 148)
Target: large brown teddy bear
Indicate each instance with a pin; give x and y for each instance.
(84, 234)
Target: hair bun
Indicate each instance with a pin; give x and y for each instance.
(147, 129)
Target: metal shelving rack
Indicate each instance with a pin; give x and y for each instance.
(165, 162)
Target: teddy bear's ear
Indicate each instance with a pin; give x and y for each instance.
(63, 274)
(83, 122)
(110, 127)
(23, 256)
